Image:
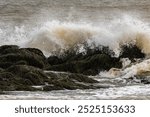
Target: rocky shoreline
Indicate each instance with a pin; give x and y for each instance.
(27, 69)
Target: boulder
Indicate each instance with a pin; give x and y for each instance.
(90, 65)
(69, 81)
(24, 69)
(90, 62)
(6, 81)
(131, 51)
(33, 75)
(11, 55)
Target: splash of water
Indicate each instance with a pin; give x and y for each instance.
(56, 36)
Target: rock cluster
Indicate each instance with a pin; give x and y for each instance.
(28, 69)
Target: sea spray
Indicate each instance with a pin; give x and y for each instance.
(56, 36)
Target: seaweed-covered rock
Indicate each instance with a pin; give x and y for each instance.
(6, 81)
(131, 51)
(23, 69)
(93, 60)
(12, 82)
(23, 77)
(8, 49)
(69, 81)
(54, 60)
(11, 55)
(34, 75)
(90, 65)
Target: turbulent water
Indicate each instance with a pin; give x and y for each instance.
(56, 25)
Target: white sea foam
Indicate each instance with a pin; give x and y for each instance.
(127, 92)
(132, 71)
(56, 35)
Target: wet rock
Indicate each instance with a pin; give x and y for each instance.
(82, 78)
(131, 52)
(23, 77)
(50, 88)
(10, 55)
(1, 69)
(90, 65)
(28, 73)
(25, 88)
(6, 75)
(54, 60)
(35, 78)
(5, 65)
(5, 49)
(68, 81)
(10, 82)
(6, 82)
(144, 79)
(23, 69)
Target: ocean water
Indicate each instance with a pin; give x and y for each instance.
(56, 25)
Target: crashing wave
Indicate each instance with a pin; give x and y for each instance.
(120, 35)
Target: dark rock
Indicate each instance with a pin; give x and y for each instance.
(1, 70)
(22, 68)
(82, 78)
(35, 78)
(90, 65)
(25, 88)
(50, 88)
(69, 81)
(32, 74)
(22, 62)
(11, 55)
(144, 78)
(35, 51)
(8, 49)
(6, 81)
(5, 65)
(94, 60)
(54, 60)
(10, 82)
(131, 51)
(145, 81)
(23, 77)
(6, 75)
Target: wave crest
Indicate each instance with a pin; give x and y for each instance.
(57, 36)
